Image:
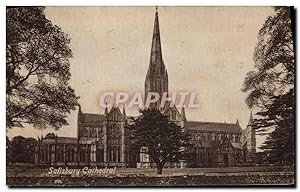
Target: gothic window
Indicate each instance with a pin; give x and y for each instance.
(81, 155)
(68, 156)
(113, 155)
(112, 130)
(46, 154)
(57, 155)
(109, 155)
(98, 155)
(42, 154)
(60, 154)
(158, 88)
(72, 155)
(119, 155)
(99, 132)
(101, 155)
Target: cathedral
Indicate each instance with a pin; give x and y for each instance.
(103, 141)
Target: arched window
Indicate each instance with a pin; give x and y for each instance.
(42, 154)
(81, 155)
(119, 155)
(112, 155)
(72, 155)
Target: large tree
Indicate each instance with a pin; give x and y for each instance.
(37, 70)
(163, 139)
(21, 149)
(271, 86)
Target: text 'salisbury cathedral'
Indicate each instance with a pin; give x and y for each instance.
(102, 139)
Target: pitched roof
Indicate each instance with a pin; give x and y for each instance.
(71, 140)
(213, 127)
(64, 140)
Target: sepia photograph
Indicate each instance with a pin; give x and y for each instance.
(150, 96)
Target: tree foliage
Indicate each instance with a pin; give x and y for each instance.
(21, 149)
(274, 60)
(37, 70)
(164, 140)
(271, 86)
(279, 115)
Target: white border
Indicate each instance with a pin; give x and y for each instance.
(115, 3)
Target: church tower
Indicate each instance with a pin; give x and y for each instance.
(157, 76)
(249, 141)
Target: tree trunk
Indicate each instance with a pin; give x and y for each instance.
(159, 168)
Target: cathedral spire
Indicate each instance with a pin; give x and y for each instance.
(157, 76)
(156, 62)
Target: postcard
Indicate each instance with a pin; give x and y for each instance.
(150, 96)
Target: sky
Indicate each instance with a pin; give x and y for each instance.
(208, 50)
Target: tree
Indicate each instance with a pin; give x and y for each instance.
(22, 149)
(271, 85)
(280, 143)
(164, 140)
(37, 70)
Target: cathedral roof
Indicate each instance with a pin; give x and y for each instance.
(213, 127)
(70, 140)
(65, 140)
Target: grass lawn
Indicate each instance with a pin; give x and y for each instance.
(33, 176)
